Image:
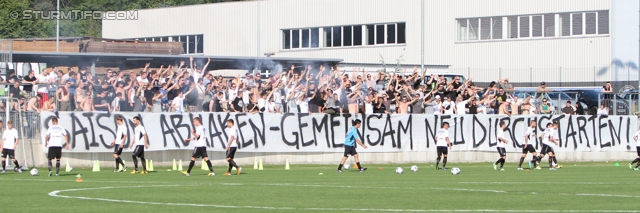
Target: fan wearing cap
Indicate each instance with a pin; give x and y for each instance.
(437, 105)
(541, 90)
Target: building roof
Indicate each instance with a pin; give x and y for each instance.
(127, 61)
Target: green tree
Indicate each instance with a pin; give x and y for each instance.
(12, 24)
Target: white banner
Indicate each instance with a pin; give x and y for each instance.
(94, 131)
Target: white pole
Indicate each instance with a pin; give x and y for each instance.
(58, 29)
(422, 36)
(258, 31)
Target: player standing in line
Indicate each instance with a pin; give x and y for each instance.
(121, 135)
(553, 163)
(529, 135)
(442, 142)
(637, 160)
(9, 144)
(349, 146)
(502, 141)
(55, 133)
(141, 141)
(232, 146)
(200, 150)
(545, 144)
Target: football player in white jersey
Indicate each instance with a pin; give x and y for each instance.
(200, 150)
(442, 142)
(553, 141)
(55, 135)
(545, 144)
(529, 137)
(141, 142)
(9, 144)
(637, 160)
(118, 143)
(232, 146)
(502, 141)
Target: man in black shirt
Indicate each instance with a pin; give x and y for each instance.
(473, 108)
(14, 91)
(501, 96)
(82, 75)
(237, 104)
(101, 103)
(29, 80)
(149, 92)
(568, 109)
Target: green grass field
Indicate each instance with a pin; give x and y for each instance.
(585, 187)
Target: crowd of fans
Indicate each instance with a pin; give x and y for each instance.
(305, 90)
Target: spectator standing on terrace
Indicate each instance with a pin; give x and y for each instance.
(87, 102)
(63, 95)
(14, 91)
(568, 109)
(29, 81)
(101, 103)
(43, 81)
(542, 91)
(607, 90)
(505, 84)
(80, 95)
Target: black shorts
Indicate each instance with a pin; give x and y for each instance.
(442, 150)
(638, 150)
(502, 151)
(546, 149)
(349, 150)
(10, 152)
(138, 151)
(117, 150)
(199, 152)
(54, 152)
(231, 152)
(529, 149)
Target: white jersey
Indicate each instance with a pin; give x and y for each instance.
(139, 135)
(9, 136)
(436, 108)
(531, 134)
(441, 137)
(461, 107)
(56, 135)
(120, 133)
(552, 133)
(637, 136)
(500, 135)
(201, 141)
(233, 131)
(545, 136)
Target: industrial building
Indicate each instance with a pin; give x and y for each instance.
(569, 42)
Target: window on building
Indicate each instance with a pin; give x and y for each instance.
(357, 35)
(401, 33)
(192, 44)
(549, 25)
(485, 28)
(533, 26)
(344, 36)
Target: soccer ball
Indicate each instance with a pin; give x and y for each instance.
(455, 171)
(346, 166)
(414, 168)
(399, 170)
(34, 172)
